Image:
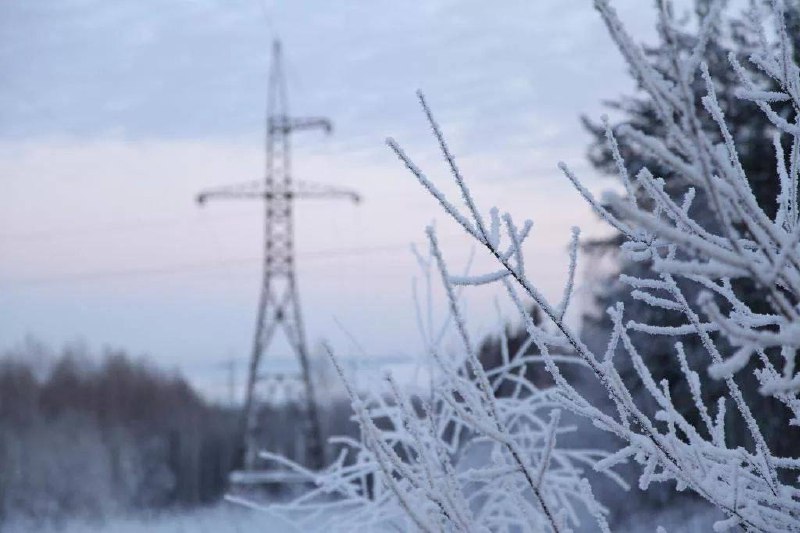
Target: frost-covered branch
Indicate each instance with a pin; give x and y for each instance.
(458, 457)
(755, 488)
(462, 457)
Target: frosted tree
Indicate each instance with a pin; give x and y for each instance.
(729, 33)
(460, 458)
(755, 488)
(455, 456)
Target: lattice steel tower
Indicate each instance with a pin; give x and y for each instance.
(279, 303)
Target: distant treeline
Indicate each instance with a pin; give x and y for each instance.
(95, 435)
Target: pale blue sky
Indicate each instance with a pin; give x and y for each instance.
(114, 113)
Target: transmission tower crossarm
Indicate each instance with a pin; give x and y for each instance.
(260, 190)
(309, 189)
(250, 189)
(285, 124)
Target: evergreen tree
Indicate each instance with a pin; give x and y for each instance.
(754, 139)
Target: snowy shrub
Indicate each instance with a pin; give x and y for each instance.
(730, 31)
(455, 457)
(752, 486)
(409, 468)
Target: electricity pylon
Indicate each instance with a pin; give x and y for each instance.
(279, 303)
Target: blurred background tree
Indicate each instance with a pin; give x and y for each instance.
(753, 134)
(91, 435)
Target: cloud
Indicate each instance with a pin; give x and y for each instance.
(145, 69)
(114, 114)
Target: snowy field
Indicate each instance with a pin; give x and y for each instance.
(223, 518)
(228, 518)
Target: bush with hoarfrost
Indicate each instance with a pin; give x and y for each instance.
(406, 469)
(453, 457)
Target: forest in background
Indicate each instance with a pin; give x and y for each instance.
(93, 434)
(96, 434)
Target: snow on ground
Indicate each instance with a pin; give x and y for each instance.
(229, 518)
(222, 518)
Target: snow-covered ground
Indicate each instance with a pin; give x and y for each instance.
(228, 518)
(222, 518)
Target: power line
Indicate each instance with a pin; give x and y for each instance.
(222, 264)
(112, 227)
(120, 225)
